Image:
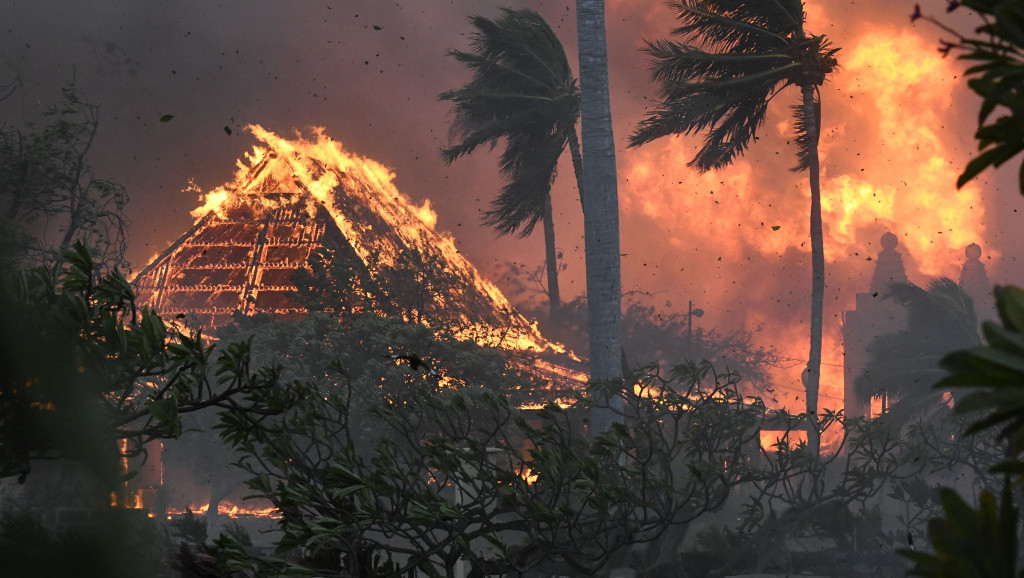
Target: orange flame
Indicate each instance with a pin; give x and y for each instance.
(899, 81)
(321, 167)
(887, 164)
(770, 439)
(231, 510)
(899, 89)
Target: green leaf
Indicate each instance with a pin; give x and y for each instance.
(166, 118)
(1010, 303)
(340, 494)
(986, 159)
(1002, 338)
(165, 411)
(995, 360)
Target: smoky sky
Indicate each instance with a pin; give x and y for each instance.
(370, 71)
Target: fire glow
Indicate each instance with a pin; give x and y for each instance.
(230, 510)
(288, 196)
(895, 78)
(889, 163)
(319, 166)
(736, 239)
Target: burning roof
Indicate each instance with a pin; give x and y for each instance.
(289, 199)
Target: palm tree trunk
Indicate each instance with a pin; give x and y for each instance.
(577, 164)
(551, 256)
(812, 113)
(601, 216)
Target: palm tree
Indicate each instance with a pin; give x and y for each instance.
(601, 204)
(734, 58)
(903, 366)
(523, 92)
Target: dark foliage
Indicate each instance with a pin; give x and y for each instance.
(995, 52)
(463, 475)
(903, 366)
(523, 92)
(96, 369)
(49, 196)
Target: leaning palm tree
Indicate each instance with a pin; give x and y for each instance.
(733, 58)
(523, 92)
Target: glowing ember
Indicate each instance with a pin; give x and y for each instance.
(230, 510)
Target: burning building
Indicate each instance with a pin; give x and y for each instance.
(298, 201)
(292, 200)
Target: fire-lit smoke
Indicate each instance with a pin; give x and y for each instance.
(737, 239)
(897, 117)
(896, 86)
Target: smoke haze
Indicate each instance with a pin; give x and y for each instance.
(897, 126)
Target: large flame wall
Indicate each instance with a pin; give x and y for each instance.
(737, 239)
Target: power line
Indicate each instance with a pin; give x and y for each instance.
(805, 361)
(797, 389)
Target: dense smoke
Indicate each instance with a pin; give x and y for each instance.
(897, 125)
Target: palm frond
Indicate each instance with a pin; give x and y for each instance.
(474, 133)
(522, 94)
(944, 299)
(739, 25)
(493, 74)
(529, 165)
(950, 296)
(906, 364)
(725, 94)
(944, 308)
(674, 63)
(731, 136)
(524, 40)
(906, 294)
(807, 130)
(730, 59)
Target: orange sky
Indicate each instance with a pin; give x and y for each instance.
(897, 123)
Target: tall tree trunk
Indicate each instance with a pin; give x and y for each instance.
(812, 112)
(601, 213)
(551, 256)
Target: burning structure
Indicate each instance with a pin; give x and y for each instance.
(293, 200)
(296, 202)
